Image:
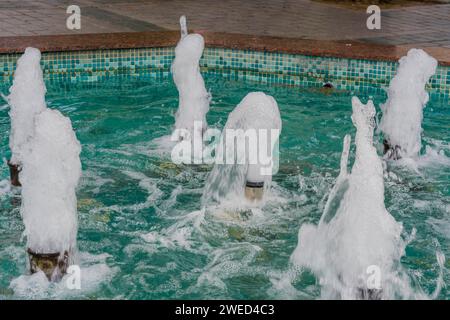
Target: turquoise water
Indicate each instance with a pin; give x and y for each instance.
(141, 234)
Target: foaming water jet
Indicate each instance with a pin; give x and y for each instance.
(50, 172)
(194, 99)
(26, 99)
(361, 235)
(250, 134)
(401, 122)
(45, 158)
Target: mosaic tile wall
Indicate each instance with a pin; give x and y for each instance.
(287, 69)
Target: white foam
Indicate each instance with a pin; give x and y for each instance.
(433, 158)
(362, 233)
(161, 146)
(282, 287)
(92, 179)
(193, 96)
(178, 235)
(93, 272)
(226, 182)
(50, 173)
(27, 99)
(401, 122)
(148, 184)
(227, 263)
(5, 187)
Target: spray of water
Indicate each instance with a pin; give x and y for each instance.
(355, 250)
(226, 182)
(27, 99)
(401, 122)
(50, 174)
(193, 97)
(43, 143)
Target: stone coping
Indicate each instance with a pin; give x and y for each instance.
(128, 40)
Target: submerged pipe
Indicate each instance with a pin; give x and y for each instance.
(390, 151)
(254, 184)
(54, 265)
(14, 170)
(254, 191)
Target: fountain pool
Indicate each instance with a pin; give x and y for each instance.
(142, 234)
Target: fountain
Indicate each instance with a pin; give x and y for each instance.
(45, 156)
(190, 119)
(50, 172)
(403, 111)
(359, 235)
(27, 99)
(244, 155)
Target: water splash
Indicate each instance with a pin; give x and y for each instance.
(361, 235)
(340, 187)
(401, 122)
(5, 187)
(94, 273)
(43, 143)
(183, 27)
(50, 173)
(226, 182)
(27, 99)
(193, 98)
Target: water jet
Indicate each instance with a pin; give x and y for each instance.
(401, 122)
(26, 99)
(358, 233)
(50, 172)
(45, 158)
(244, 161)
(194, 99)
(369, 294)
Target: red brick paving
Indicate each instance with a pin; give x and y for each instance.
(425, 26)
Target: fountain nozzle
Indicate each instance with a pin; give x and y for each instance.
(254, 190)
(54, 265)
(14, 170)
(392, 152)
